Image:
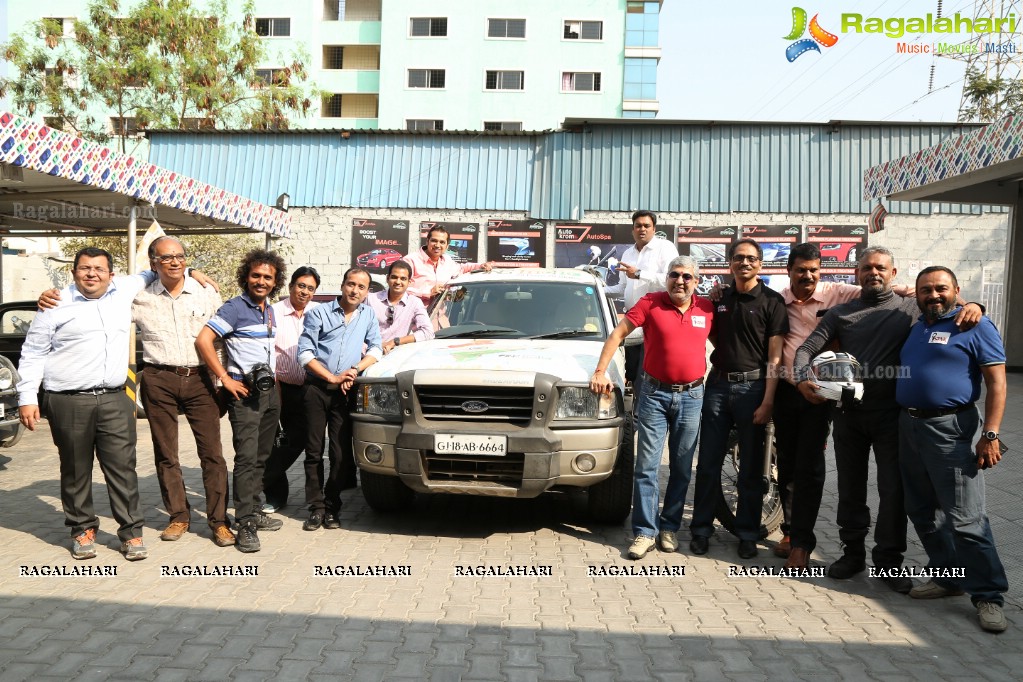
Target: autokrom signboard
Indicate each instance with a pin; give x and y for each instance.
(516, 243)
(378, 243)
(708, 246)
(777, 242)
(840, 246)
(463, 239)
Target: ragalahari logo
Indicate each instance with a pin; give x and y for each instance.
(817, 35)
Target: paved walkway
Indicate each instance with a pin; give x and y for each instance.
(289, 623)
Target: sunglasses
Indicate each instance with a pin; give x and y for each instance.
(686, 277)
(390, 314)
(738, 258)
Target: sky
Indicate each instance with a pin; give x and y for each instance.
(726, 61)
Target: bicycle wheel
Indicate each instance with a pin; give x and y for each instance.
(771, 514)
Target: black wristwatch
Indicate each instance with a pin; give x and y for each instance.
(991, 435)
(397, 341)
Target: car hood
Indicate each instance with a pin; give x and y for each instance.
(572, 360)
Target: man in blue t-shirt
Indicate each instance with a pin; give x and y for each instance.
(941, 466)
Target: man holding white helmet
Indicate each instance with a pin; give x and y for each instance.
(872, 328)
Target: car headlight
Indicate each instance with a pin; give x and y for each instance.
(6, 378)
(379, 399)
(579, 402)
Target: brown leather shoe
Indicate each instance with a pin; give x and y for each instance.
(798, 558)
(783, 548)
(174, 531)
(223, 537)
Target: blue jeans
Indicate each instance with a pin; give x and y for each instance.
(677, 415)
(945, 501)
(727, 404)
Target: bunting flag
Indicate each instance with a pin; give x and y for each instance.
(876, 221)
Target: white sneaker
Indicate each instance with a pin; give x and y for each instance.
(268, 508)
(667, 541)
(991, 617)
(640, 546)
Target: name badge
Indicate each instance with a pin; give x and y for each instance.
(699, 322)
(939, 337)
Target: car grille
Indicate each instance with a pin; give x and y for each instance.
(504, 405)
(469, 468)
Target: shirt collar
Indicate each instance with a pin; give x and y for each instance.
(817, 295)
(382, 297)
(77, 295)
(191, 286)
(947, 316)
(249, 302)
(289, 309)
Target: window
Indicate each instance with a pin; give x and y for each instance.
(331, 106)
(272, 76)
(428, 27)
(57, 27)
(584, 30)
(276, 28)
(580, 82)
(426, 78)
(124, 127)
(506, 28)
(640, 78)
(502, 125)
(641, 20)
(424, 124)
(331, 10)
(505, 80)
(333, 57)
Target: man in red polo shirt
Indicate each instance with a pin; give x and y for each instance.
(676, 325)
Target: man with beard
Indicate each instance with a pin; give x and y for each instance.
(641, 270)
(942, 469)
(676, 326)
(247, 325)
(402, 317)
(330, 349)
(751, 326)
(432, 268)
(872, 329)
(290, 442)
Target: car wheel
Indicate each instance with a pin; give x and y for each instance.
(610, 501)
(385, 494)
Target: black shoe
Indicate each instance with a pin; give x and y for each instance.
(699, 545)
(747, 549)
(331, 521)
(314, 521)
(349, 483)
(898, 583)
(846, 567)
(247, 540)
(264, 522)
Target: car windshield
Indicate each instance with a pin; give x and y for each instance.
(518, 310)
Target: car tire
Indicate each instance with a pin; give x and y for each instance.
(13, 434)
(610, 501)
(385, 494)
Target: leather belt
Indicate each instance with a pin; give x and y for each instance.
(674, 388)
(180, 371)
(940, 412)
(98, 390)
(740, 377)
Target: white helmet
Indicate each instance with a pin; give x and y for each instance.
(838, 377)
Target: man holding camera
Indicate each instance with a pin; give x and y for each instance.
(330, 349)
(246, 324)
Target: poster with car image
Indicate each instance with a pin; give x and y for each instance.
(776, 241)
(596, 247)
(708, 246)
(463, 239)
(840, 246)
(516, 243)
(378, 243)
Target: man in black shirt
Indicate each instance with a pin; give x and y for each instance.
(751, 325)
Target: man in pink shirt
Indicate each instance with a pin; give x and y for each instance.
(432, 268)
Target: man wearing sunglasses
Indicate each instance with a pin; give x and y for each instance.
(402, 317)
(751, 327)
(676, 325)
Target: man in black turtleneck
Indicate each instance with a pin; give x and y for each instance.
(873, 329)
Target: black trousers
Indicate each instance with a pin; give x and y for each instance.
(253, 427)
(289, 444)
(102, 425)
(856, 432)
(328, 409)
(801, 436)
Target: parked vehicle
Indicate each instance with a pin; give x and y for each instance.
(841, 252)
(15, 319)
(378, 258)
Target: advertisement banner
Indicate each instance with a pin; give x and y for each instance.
(378, 243)
(463, 244)
(708, 246)
(840, 246)
(776, 241)
(516, 243)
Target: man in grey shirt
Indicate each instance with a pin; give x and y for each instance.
(872, 329)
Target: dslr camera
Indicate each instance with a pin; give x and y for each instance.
(260, 377)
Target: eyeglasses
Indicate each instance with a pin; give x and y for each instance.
(738, 258)
(686, 277)
(306, 287)
(170, 258)
(390, 314)
(83, 270)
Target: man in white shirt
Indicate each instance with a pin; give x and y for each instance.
(645, 269)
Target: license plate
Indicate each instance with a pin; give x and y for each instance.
(460, 444)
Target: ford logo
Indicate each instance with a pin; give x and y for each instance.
(475, 406)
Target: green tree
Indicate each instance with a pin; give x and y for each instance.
(988, 99)
(167, 64)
